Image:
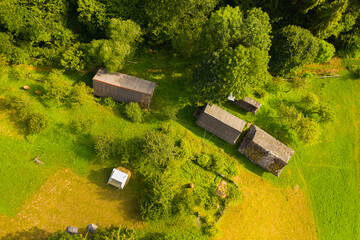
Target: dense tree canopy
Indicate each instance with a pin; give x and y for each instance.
(294, 46)
(236, 55)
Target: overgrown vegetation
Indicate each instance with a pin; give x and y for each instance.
(242, 47)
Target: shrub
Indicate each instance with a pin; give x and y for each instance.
(219, 163)
(134, 112)
(105, 145)
(80, 94)
(170, 112)
(56, 87)
(355, 70)
(108, 102)
(82, 124)
(204, 160)
(37, 122)
(326, 52)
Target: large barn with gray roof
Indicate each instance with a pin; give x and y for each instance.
(220, 123)
(123, 88)
(264, 150)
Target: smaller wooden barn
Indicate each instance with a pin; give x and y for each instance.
(119, 177)
(264, 150)
(123, 88)
(220, 123)
(248, 104)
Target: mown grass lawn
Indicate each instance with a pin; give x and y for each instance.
(328, 171)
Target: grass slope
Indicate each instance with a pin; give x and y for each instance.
(327, 172)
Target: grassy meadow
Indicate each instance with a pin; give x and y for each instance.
(327, 172)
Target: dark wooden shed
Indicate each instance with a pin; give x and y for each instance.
(123, 88)
(264, 150)
(248, 104)
(220, 123)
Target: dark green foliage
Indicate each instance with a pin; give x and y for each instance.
(293, 47)
(108, 102)
(112, 52)
(179, 22)
(72, 58)
(37, 122)
(227, 27)
(236, 54)
(326, 18)
(160, 152)
(236, 70)
(158, 197)
(355, 70)
(133, 112)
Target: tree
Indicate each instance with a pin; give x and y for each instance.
(113, 52)
(325, 20)
(236, 55)
(326, 52)
(168, 19)
(236, 70)
(56, 88)
(293, 47)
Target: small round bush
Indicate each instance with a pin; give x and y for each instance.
(37, 122)
(326, 52)
(134, 112)
(204, 160)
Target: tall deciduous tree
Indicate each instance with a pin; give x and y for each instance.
(236, 58)
(293, 46)
(113, 52)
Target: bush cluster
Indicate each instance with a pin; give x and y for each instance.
(217, 163)
(35, 121)
(133, 112)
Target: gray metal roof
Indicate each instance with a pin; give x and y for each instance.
(125, 81)
(270, 144)
(221, 123)
(252, 102)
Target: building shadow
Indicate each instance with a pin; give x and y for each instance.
(29, 234)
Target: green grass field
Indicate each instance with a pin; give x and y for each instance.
(328, 171)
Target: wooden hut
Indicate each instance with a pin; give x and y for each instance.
(264, 150)
(248, 104)
(119, 177)
(123, 88)
(220, 123)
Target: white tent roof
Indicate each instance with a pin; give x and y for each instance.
(118, 178)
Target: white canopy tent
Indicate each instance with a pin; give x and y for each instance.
(119, 178)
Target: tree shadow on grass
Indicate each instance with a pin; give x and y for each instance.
(32, 233)
(128, 196)
(187, 120)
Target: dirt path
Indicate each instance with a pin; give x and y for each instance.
(268, 212)
(67, 199)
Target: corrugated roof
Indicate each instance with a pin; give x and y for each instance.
(270, 144)
(125, 81)
(221, 123)
(252, 102)
(225, 117)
